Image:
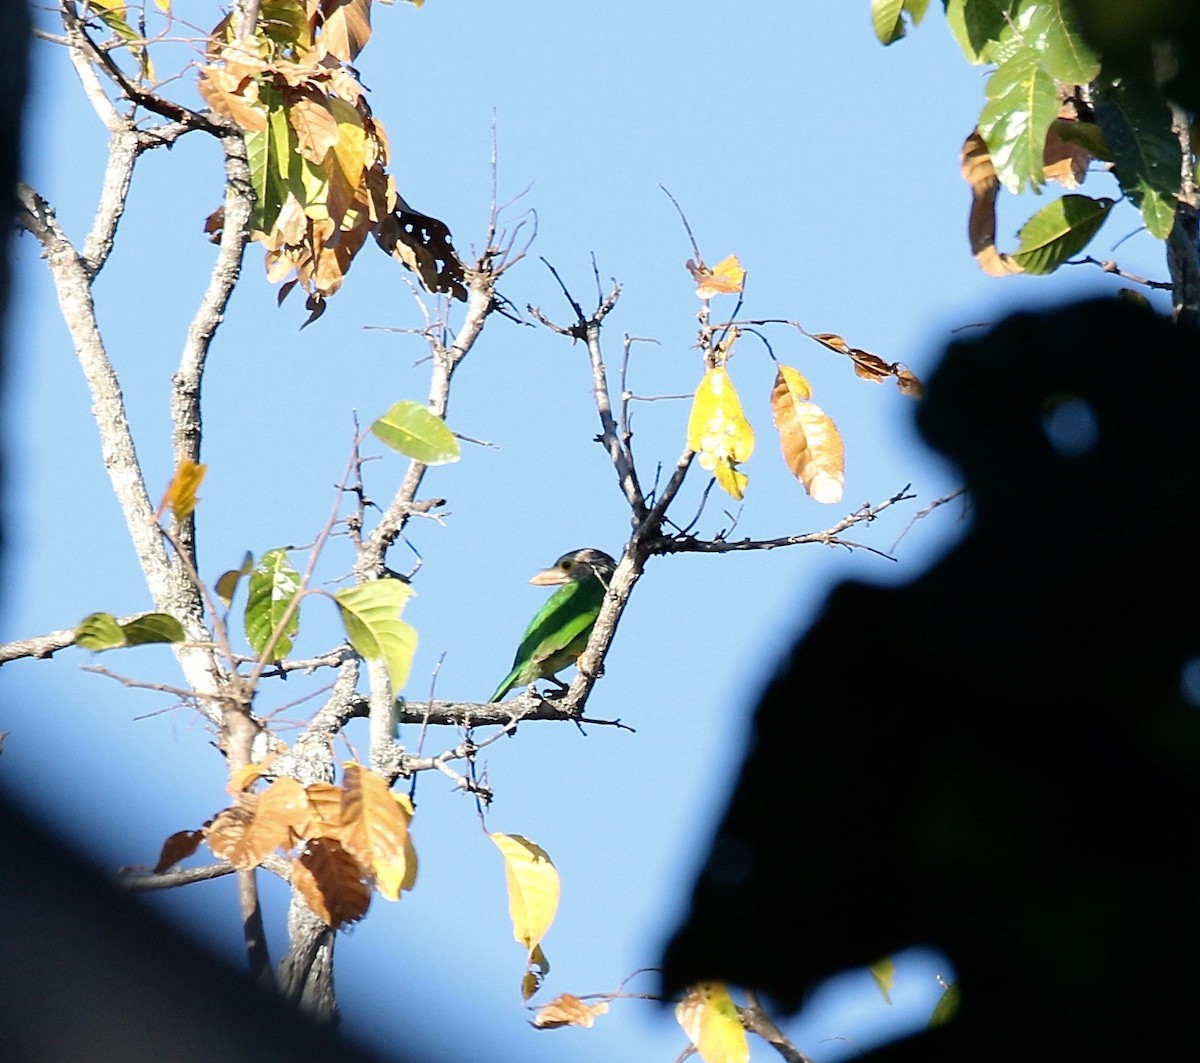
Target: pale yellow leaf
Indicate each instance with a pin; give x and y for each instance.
(533, 887)
(710, 1019)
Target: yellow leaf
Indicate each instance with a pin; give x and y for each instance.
(884, 973)
(718, 431)
(812, 446)
(375, 829)
(533, 887)
(568, 1010)
(710, 1019)
(725, 278)
(247, 774)
(331, 882)
(181, 492)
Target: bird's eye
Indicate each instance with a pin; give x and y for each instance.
(565, 565)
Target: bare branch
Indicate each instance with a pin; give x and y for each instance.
(141, 881)
(755, 1020)
(186, 384)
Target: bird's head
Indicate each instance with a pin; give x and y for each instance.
(577, 565)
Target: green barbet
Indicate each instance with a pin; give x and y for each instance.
(559, 633)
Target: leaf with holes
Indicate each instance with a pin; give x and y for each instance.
(271, 622)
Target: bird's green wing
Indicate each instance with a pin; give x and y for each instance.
(556, 635)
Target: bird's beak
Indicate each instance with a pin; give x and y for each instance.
(550, 577)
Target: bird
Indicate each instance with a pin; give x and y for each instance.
(559, 632)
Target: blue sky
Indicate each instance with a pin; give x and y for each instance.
(791, 138)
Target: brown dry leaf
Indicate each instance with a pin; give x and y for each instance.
(331, 882)
(980, 174)
(375, 828)
(725, 278)
(324, 819)
(179, 846)
(229, 88)
(568, 1010)
(811, 443)
(181, 492)
(282, 809)
(909, 384)
(311, 117)
(345, 26)
(1065, 162)
(226, 836)
(423, 244)
(833, 341)
(871, 367)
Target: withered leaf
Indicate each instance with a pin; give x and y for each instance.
(423, 244)
(980, 174)
(331, 882)
(568, 1010)
(725, 278)
(811, 443)
(179, 846)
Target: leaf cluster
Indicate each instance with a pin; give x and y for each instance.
(1054, 107)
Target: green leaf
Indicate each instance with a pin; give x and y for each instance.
(371, 615)
(153, 627)
(1137, 127)
(269, 153)
(1058, 231)
(274, 585)
(1022, 102)
(101, 631)
(1088, 135)
(416, 433)
(887, 17)
(285, 22)
(1051, 28)
(978, 24)
(946, 1007)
